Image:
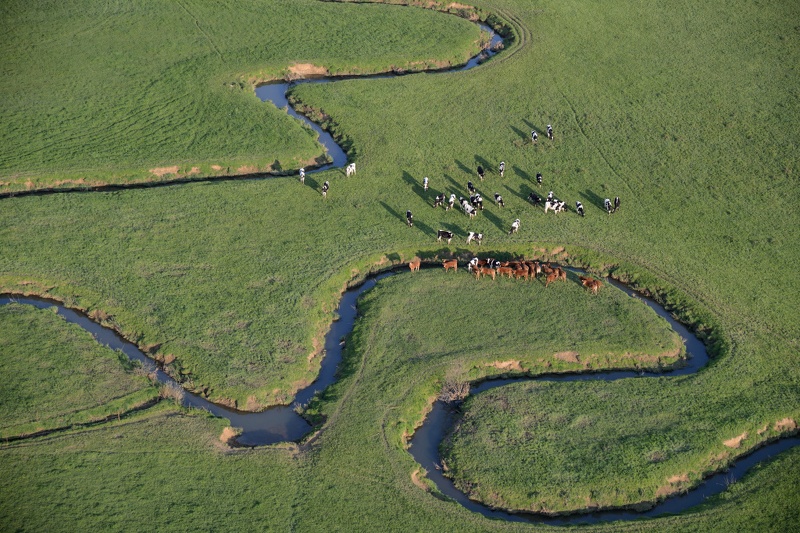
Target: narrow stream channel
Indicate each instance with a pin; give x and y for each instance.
(282, 424)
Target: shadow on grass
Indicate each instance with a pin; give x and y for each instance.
(593, 199)
(494, 219)
(521, 173)
(465, 168)
(487, 167)
(522, 135)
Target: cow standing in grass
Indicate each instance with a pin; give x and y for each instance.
(499, 200)
(534, 198)
(470, 187)
(502, 168)
(534, 136)
(425, 183)
(550, 132)
(444, 234)
(350, 170)
(607, 205)
(325, 187)
(477, 237)
(409, 219)
(539, 178)
(514, 227)
(481, 172)
(452, 202)
(616, 203)
(579, 208)
(302, 175)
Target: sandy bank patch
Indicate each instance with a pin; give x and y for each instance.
(735, 442)
(417, 481)
(301, 70)
(216, 167)
(247, 169)
(227, 435)
(676, 484)
(507, 365)
(163, 171)
(570, 357)
(787, 424)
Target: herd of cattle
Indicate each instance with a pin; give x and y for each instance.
(526, 270)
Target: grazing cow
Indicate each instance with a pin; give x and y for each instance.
(508, 271)
(470, 187)
(550, 132)
(450, 263)
(409, 218)
(481, 172)
(478, 237)
(550, 196)
(547, 269)
(562, 274)
(439, 200)
(476, 201)
(521, 273)
(616, 203)
(425, 183)
(350, 170)
(452, 202)
(607, 205)
(539, 178)
(444, 234)
(514, 227)
(556, 205)
(473, 264)
(579, 208)
(414, 265)
(325, 187)
(468, 209)
(492, 263)
(534, 136)
(502, 168)
(483, 271)
(553, 276)
(591, 284)
(499, 200)
(302, 175)
(534, 268)
(534, 198)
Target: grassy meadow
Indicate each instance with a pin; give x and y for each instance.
(56, 375)
(686, 111)
(112, 93)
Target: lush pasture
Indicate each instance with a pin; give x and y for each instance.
(687, 111)
(106, 92)
(55, 374)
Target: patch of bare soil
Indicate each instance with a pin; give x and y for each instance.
(163, 171)
(507, 365)
(247, 169)
(303, 70)
(787, 424)
(735, 442)
(216, 167)
(570, 357)
(228, 434)
(675, 485)
(417, 481)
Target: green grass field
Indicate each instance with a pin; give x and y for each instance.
(687, 111)
(56, 375)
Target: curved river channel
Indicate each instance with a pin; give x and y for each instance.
(283, 424)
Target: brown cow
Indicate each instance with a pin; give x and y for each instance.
(546, 269)
(506, 270)
(591, 284)
(414, 265)
(551, 277)
(562, 276)
(521, 273)
(451, 263)
(483, 271)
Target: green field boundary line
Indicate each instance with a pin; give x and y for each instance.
(205, 34)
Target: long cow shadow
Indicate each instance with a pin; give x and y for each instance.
(427, 230)
(593, 199)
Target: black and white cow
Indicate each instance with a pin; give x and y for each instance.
(607, 205)
(452, 202)
(325, 187)
(302, 175)
(502, 168)
(425, 183)
(409, 218)
(439, 200)
(514, 227)
(499, 200)
(470, 187)
(555, 205)
(350, 170)
(481, 172)
(444, 234)
(476, 201)
(539, 178)
(579, 208)
(534, 198)
(478, 237)
(534, 136)
(616, 203)
(550, 132)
